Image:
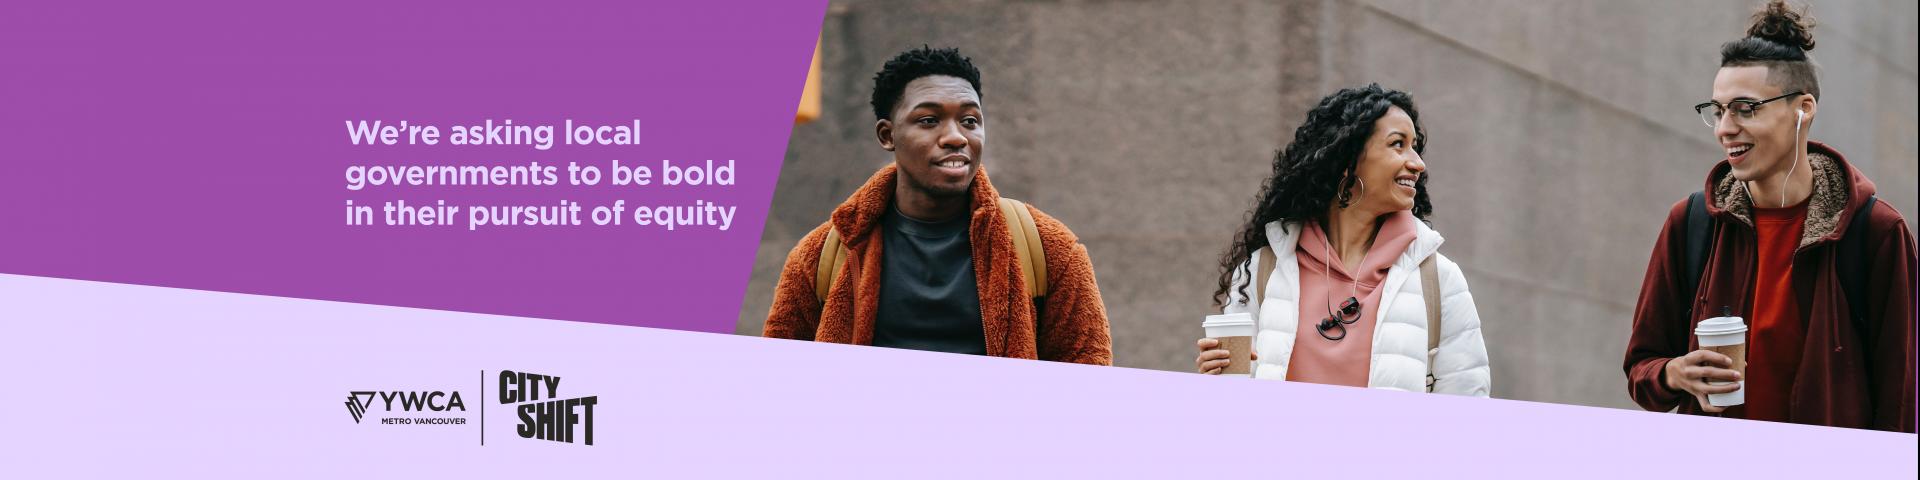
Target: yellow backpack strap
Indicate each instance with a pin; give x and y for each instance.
(1430, 290)
(1260, 277)
(1028, 251)
(833, 256)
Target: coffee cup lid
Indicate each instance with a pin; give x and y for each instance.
(1227, 320)
(1720, 326)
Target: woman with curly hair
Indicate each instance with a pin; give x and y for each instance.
(1339, 236)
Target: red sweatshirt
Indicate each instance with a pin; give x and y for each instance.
(1774, 343)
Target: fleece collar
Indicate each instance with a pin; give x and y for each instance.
(862, 211)
(1837, 190)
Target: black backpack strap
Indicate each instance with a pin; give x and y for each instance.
(1699, 237)
(1853, 267)
(1851, 258)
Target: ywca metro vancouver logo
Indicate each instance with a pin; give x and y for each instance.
(358, 402)
(356, 406)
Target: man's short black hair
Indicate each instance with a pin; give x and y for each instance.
(1778, 39)
(891, 83)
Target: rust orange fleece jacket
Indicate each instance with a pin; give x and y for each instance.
(1072, 328)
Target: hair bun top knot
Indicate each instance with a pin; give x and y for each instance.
(1779, 23)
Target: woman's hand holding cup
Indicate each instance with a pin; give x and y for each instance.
(1213, 359)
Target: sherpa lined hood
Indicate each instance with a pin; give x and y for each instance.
(1838, 192)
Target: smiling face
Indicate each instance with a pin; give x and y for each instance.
(1764, 145)
(1389, 167)
(936, 134)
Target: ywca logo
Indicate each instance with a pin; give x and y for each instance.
(358, 402)
(358, 407)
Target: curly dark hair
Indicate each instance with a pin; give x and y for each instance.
(1778, 39)
(1314, 172)
(891, 82)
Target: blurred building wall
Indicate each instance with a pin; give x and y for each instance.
(1560, 133)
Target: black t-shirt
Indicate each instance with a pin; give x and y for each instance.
(928, 297)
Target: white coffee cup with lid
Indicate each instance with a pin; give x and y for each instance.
(1726, 335)
(1235, 332)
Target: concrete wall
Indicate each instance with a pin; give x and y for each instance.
(1560, 133)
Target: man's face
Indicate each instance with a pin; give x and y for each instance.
(1765, 144)
(936, 135)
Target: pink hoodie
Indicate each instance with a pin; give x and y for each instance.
(1344, 362)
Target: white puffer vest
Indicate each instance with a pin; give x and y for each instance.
(1399, 360)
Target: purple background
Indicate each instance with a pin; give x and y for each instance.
(204, 147)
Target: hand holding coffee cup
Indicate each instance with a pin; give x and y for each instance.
(1228, 348)
(1213, 359)
(1715, 374)
(1703, 373)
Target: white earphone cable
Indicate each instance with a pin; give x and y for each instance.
(1800, 117)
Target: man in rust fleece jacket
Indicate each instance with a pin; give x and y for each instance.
(1787, 235)
(929, 257)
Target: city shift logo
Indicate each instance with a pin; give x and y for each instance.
(360, 401)
(543, 414)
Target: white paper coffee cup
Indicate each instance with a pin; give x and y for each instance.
(1235, 333)
(1727, 336)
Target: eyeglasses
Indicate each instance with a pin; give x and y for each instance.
(1349, 308)
(1712, 111)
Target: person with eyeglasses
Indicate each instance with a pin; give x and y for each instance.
(1787, 235)
(1330, 263)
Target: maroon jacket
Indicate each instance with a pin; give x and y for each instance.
(1859, 377)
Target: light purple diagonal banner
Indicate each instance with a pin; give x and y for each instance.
(124, 380)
